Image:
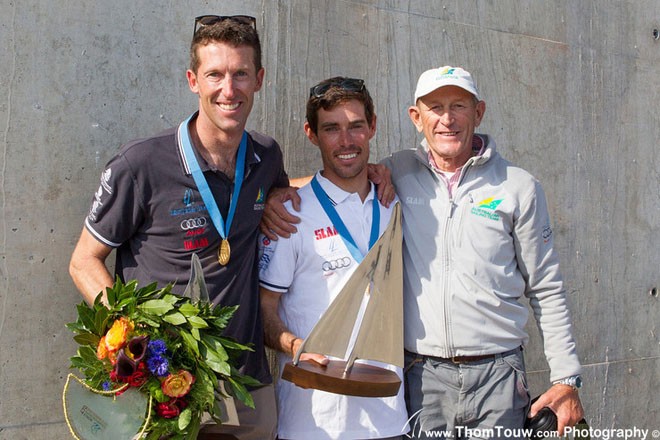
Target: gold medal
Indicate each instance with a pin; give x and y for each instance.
(223, 252)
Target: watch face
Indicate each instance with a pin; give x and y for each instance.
(578, 382)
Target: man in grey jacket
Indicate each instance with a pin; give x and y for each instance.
(477, 239)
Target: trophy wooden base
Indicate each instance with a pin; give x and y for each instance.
(362, 381)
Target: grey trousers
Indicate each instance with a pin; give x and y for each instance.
(486, 399)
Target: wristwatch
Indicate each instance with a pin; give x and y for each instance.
(574, 382)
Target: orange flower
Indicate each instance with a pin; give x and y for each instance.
(178, 384)
(101, 350)
(118, 333)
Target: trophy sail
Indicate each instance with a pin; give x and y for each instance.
(196, 288)
(376, 332)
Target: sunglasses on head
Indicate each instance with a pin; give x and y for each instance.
(208, 20)
(350, 84)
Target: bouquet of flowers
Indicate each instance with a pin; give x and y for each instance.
(169, 347)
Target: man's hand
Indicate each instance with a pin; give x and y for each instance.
(381, 176)
(276, 220)
(564, 401)
(318, 358)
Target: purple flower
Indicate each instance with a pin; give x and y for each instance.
(107, 386)
(158, 366)
(157, 347)
(125, 366)
(138, 347)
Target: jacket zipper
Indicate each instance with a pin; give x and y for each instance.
(447, 270)
(447, 263)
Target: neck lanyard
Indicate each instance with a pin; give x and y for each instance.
(339, 225)
(223, 228)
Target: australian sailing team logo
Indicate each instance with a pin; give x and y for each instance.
(486, 208)
(259, 203)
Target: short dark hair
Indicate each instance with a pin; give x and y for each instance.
(231, 32)
(333, 96)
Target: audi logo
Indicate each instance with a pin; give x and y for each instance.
(336, 264)
(193, 223)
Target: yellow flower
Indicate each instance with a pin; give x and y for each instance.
(178, 384)
(118, 334)
(101, 350)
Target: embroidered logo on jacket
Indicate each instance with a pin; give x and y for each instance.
(188, 197)
(259, 202)
(486, 208)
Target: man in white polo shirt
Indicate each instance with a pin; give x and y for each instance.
(301, 275)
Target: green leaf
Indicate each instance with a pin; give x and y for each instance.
(111, 295)
(77, 362)
(240, 392)
(146, 320)
(215, 344)
(87, 339)
(146, 291)
(187, 309)
(195, 334)
(101, 321)
(219, 367)
(85, 316)
(214, 361)
(98, 298)
(76, 327)
(233, 345)
(175, 318)
(88, 354)
(197, 322)
(207, 384)
(125, 302)
(244, 379)
(190, 342)
(170, 299)
(211, 354)
(184, 418)
(223, 315)
(156, 307)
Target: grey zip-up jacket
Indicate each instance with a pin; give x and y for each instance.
(470, 259)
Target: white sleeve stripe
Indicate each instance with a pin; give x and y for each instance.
(99, 237)
(273, 287)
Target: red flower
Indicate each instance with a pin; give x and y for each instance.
(137, 379)
(168, 410)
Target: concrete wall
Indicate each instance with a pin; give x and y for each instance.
(572, 91)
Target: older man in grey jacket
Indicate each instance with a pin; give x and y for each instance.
(477, 240)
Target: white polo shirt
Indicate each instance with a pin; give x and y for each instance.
(309, 269)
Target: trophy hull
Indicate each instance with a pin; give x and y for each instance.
(362, 380)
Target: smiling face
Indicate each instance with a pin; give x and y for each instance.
(343, 136)
(226, 80)
(448, 117)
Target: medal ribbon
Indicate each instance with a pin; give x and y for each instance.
(339, 225)
(203, 186)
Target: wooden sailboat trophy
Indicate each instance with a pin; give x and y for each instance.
(365, 321)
